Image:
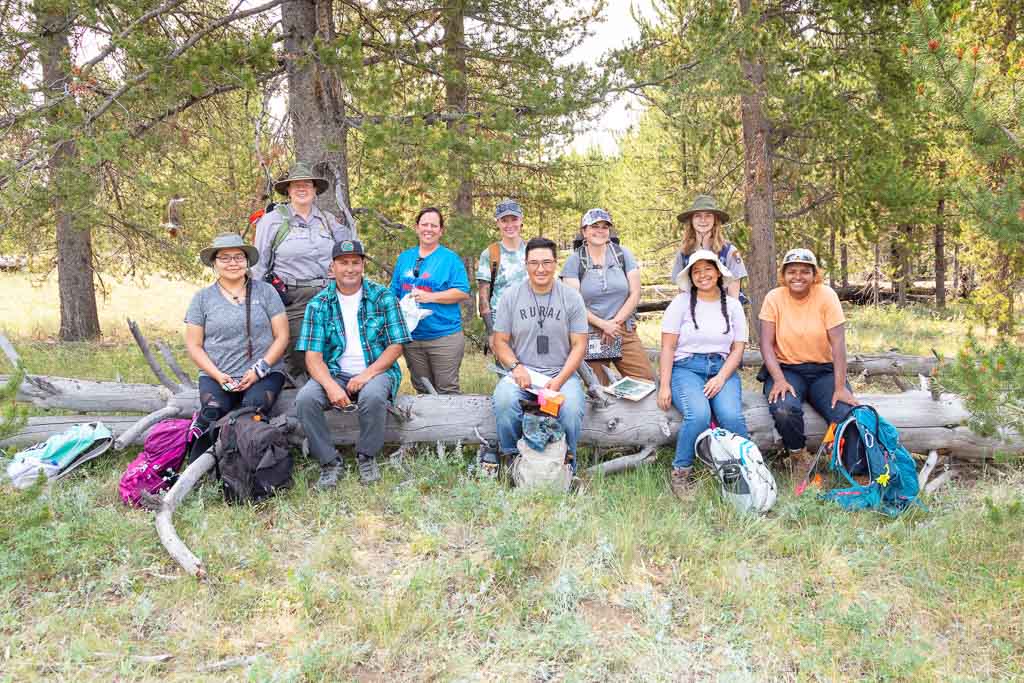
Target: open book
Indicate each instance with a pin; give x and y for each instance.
(629, 388)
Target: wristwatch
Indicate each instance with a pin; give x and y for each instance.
(514, 366)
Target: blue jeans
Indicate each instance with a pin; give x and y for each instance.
(508, 414)
(812, 382)
(688, 379)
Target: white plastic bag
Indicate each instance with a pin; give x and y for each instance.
(412, 312)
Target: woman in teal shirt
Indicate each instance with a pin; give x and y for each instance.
(436, 278)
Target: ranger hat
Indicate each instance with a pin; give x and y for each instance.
(594, 216)
(346, 248)
(508, 207)
(683, 279)
(229, 240)
(800, 255)
(704, 202)
(301, 171)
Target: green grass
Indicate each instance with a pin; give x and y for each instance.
(434, 575)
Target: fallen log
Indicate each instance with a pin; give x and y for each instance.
(925, 424)
(866, 364)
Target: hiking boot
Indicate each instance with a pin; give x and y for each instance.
(369, 471)
(329, 475)
(681, 482)
(489, 464)
(799, 463)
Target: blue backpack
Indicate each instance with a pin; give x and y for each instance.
(892, 473)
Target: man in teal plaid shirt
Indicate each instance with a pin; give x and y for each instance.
(352, 334)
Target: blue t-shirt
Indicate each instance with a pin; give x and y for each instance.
(440, 271)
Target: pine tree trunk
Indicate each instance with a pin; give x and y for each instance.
(457, 99)
(316, 97)
(832, 255)
(940, 244)
(844, 270)
(758, 188)
(79, 319)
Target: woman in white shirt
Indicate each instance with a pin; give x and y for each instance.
(703, 335)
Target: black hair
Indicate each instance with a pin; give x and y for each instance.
(541, 243)
(693, 304)
(430, 209)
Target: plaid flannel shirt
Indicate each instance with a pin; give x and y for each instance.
(381, 324)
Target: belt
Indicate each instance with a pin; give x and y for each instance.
(320, 282)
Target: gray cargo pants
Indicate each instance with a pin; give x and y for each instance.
(371, 407)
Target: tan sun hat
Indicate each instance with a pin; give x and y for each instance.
(704, 202)
(301, 171)
(229, 241)
(683, 279)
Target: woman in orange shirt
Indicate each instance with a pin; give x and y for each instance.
(803, 343)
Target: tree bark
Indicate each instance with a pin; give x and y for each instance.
(844, 270)
(457, 99)
(316, 97)
(79, 319)
(758, 186)
(940, 242)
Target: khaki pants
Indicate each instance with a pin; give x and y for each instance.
(295, 361)
(438, 360)
(634, 362)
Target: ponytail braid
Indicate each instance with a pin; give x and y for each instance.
(725, 310)
(693, 305)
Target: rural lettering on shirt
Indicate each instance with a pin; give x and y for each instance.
(555, 315)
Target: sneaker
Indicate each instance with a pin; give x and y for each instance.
(369, 471)
(329, 475)
(489, 464)
(681, 482)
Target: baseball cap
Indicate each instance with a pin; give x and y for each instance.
(347, 247)
(508, 207)
(800, 255)
(595, 215)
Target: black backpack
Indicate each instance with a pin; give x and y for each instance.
(251, 457)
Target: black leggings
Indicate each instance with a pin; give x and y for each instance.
(215, 403)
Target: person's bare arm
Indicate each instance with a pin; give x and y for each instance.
(448, 296)
(668, 352)
(732, 361)
(384, 361)
(321, 374)
(507, 357)
(576, 353)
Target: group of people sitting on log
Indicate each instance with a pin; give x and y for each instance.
(298, 305)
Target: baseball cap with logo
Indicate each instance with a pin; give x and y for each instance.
(800, 256)
(595, 215)
(508, 207)
(347, 248)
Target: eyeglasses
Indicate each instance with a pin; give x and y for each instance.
(237, 258)
(547, 263)
(600, 225)
(416, 266)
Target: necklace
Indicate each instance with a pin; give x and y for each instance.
(237, 298)
(540, 313)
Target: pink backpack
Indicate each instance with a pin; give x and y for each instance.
(156, 467)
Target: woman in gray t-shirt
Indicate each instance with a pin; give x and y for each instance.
(609, 281)
(236, 331)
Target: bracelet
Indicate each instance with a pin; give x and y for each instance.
(261, 368)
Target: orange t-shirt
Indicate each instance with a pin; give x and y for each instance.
(801, 326)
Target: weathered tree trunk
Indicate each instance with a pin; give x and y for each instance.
(457, 98)
(925, 424)
(832, 255)
(79, 319)
(758, 186)
(316, 97)
(844, 270)
(940, 242)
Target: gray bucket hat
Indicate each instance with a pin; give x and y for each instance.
(704, 202)
(228, 241)
(301, 171)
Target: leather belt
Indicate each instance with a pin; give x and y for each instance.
(320, 282)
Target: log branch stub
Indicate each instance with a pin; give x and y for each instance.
(172, 363)
(624, 462)
(134, 432)
(185, 558)
(147, 353)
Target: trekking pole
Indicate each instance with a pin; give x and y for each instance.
(826, 441)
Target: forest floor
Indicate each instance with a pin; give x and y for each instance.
(435, 575)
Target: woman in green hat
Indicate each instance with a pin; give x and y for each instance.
(295, 241)
(236, 332)
(702, 229)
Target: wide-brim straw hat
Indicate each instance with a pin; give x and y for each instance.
(704, 202)
(301, 171)
(229, 241)
(683, 279)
